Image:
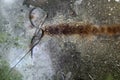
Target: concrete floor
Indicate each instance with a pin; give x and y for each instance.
(56, 57)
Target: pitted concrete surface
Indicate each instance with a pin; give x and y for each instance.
(61, 57)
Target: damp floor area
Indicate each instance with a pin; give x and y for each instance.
(66, 57)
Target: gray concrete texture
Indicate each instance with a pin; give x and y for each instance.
(60, 57)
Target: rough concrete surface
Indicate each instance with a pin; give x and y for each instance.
(59, 57)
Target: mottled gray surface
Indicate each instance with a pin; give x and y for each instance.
(102, 11)
(61, 57)
(53, 7)
(98, 12)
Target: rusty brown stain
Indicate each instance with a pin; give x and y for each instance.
(82, 29)
(31, 16)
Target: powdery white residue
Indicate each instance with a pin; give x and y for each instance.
(117, 0)
(9, 1)
(78, 2)
(43, 69)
